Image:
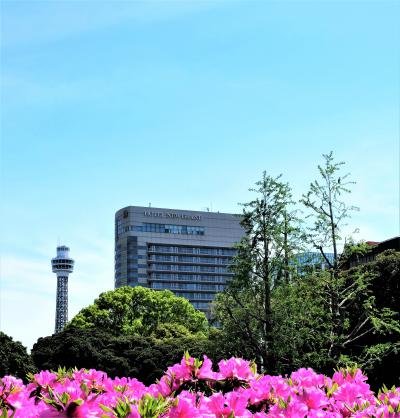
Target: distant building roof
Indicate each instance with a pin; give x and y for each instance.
(376, 248)
(372, 243)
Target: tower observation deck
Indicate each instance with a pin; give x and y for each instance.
(62, 265)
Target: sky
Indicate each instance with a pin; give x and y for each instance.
(182, 105)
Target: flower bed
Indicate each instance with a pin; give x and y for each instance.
(192, 389)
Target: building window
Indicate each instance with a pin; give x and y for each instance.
(165, 229)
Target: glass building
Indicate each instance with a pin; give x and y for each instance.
(312, 261)
(187, 252)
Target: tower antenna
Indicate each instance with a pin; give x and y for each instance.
(62, 265)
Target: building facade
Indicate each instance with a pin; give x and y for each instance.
(187, 252)
(309, 260)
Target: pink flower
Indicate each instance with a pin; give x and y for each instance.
(184, 408)
(205, 371)
(307, 378)
(235, 367)
(314, 398)
(294, 409)
(85, 394)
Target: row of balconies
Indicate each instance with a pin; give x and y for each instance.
(206, 269)
(220, 252)
(190, 260)
(191, 287)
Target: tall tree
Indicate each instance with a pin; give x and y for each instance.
(329, 211)
(342, 293)
(141, 311)
(262, 259)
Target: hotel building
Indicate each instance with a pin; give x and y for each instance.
(187, 252)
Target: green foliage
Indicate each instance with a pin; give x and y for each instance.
(262, 262)
(141, 311)
(145, 358)
(301, 324)
(150, 407)
(326, 206)
(134, 332)
(322, 319)
(352, 249)
(377, 347)
(168, 331)
(121, 410)
(370, 336)
(14, 359)
(328, 210)
(240, 334)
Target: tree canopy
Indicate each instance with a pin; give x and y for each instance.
(141, 311)
(327, 208)
(286, 317)
(370, 336)
(262, 262)
(14, 359)
(350, 300)
(145, 358)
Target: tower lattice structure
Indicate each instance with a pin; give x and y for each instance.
(62, 265)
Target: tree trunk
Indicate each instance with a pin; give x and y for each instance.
(334, 349)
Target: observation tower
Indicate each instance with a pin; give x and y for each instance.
(62, 265)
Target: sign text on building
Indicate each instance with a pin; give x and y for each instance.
(172, 215)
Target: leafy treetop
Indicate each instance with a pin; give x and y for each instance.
(140, 311)
(327, 208)
(14, 358)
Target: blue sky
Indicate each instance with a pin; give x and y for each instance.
(182, 104)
